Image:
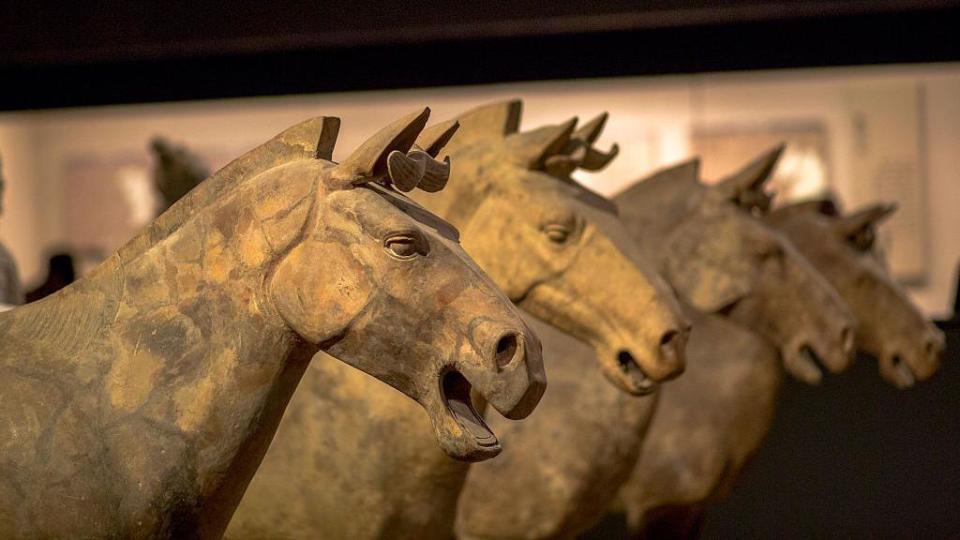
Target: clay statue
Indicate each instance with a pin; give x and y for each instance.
(704, 431)
(907, 346)
(176, 171)
(140, 399)
(11, 291)
(722, 260)
(667, 498)
(557, 250)
(564, 467)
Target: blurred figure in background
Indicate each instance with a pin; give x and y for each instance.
(11, 293)
(60, 273)
(953, 320)
(175, 171)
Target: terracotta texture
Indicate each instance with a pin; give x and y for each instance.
(148, 391)
(557, 250)
(891, 329)
(722, 260)
(11, 290)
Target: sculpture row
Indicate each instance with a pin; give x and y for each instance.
(147, 394)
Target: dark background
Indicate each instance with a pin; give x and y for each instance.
(853, 458)
(56, 54)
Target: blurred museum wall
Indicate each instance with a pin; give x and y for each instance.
(80, 178)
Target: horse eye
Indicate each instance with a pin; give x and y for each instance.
(404, 246)
(557, 234)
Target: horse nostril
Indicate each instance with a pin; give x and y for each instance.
(625, 360)
(667, 337)
(506, 350)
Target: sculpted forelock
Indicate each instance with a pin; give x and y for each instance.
(149, 390)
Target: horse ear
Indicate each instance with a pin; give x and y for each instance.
(369, 161)
(531, 149)
(589, 158)
(743, 185)
(435, 137)
(864, 218)
(590, 131)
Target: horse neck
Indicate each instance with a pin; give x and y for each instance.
(651, 209)
(220, 365)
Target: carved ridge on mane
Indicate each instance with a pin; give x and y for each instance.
(299, 142)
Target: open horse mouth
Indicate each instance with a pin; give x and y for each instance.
(806, 364)
(456, 397)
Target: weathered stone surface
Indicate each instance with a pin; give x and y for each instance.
(891, 329)
(558, 251)
(140, 400)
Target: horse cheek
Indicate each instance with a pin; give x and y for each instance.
(319, 288)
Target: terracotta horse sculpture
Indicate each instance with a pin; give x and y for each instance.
(558, 251)
(889, 327)
(892, 330)
(721, 260)
(140, 400)
(11, 291)
(666, 498)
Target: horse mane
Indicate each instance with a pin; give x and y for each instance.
(656, 202)
(825, 206)
(556, 151)
(301, 141)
